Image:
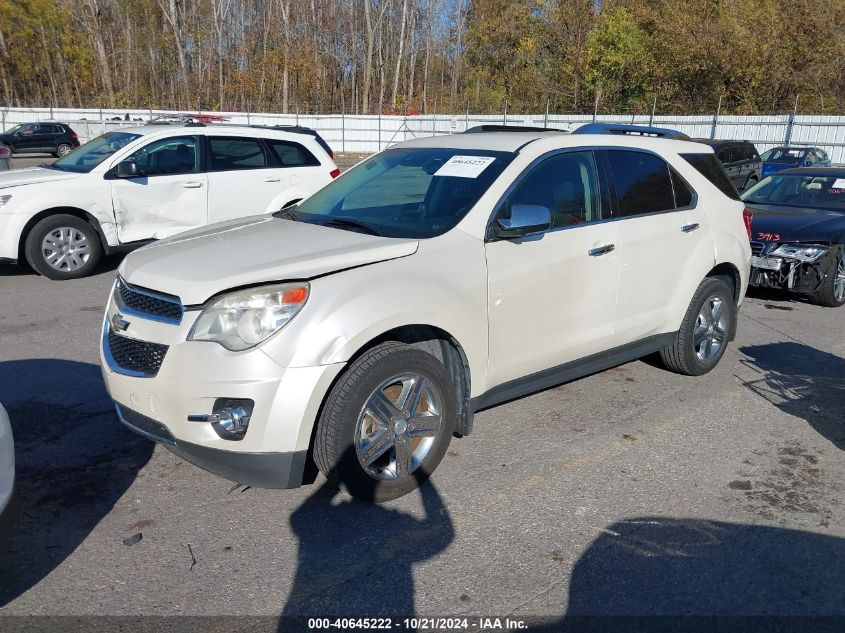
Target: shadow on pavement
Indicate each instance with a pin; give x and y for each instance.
(73, 462)
(675, 574)
(356, 558)
(108, 263)
(801, 381)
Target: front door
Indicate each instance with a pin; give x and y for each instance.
(170, 195)
(551, 297)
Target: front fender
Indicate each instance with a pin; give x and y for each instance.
(440, 286)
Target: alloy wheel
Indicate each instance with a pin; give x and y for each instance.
(839, 280)
(397, 426)
(710, 328)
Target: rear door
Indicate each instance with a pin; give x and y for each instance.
(243, 177)
(551, 297)
(169, 197)
(663, 233)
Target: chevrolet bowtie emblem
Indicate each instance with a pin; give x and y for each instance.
(118, 323)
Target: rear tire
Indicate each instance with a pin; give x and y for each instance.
(63, 150)
(703, 336)
(63, 247)
(386, 422)
(832, 291)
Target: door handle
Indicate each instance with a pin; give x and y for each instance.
(601, 250)
(689, 228)
(192, 184)
(272, 179)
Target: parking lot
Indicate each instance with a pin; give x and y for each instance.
(624, 492)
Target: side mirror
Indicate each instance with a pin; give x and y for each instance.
(526, 219)
(127, 169)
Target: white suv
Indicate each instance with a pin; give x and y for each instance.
(362, 328)
(130, 186)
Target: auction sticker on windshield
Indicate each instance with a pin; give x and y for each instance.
(465, 166)
(839, 183)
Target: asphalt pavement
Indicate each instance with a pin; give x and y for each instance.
(632, 491)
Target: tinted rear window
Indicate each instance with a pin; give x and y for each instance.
(643, 184)
(710, 168)
(291, 154)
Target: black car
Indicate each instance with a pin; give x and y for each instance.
(798, 232)
(40, 138)
(740, 160)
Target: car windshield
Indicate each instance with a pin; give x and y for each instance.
(799, 190)
(85, 157)
(12, 130)
(408, 192)
(782, 155)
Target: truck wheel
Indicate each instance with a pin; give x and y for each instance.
(703, 335)
(63, 247)
(386, 423)
(832, 291)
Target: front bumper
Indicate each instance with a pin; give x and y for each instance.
(262, 470)
(192, 376)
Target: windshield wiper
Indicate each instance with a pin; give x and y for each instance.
(288, 213)
(352, 224)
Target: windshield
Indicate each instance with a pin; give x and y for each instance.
(782, 155)
(798, 190)
(12, 130)
(412, 192)
(85, 157)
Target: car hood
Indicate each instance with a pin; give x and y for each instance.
(796, 224)
(201, 263)
(33, 175)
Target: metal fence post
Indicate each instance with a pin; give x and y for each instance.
(790, 123)
(505, 113)
(653, 108)
(466, 117)
(4, 121)
(595, 109)
(379, 131)
(343, 132)
(715, 119)
(433, 120)
(546, 118)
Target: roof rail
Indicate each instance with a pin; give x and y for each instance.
(509, 128)
(630, 130)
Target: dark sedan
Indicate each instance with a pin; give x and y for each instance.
(798, 232)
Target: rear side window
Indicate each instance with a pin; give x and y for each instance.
(643, 183)
(683, 194)
(709, 167)
(228, 153)
(291, 154)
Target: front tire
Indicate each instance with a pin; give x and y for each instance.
(386, 422)
(832, 291)
(703, 336)
(63, 247)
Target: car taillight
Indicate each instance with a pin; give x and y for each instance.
(334, 173)
(747, 216)
(73, 136)
(4, 152)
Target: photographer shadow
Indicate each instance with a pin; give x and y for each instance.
(73, 462)
(356, 558)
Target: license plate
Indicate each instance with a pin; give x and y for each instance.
(766, 263)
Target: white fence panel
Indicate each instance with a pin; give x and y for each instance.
(371, 133)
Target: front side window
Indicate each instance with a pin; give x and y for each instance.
(26, 130)
(168, 157)
(229, 153)
(408, 192)
(643, 184)
(85, 157)
(566, 184)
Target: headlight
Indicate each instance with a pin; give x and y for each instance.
(243, 319)
(4, 200)
(802, 252)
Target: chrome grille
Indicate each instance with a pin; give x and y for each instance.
(147, 304)
(134, 357)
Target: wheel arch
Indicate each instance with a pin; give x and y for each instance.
(730, 274)
(46, 213)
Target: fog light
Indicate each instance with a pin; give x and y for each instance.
(229, 417)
